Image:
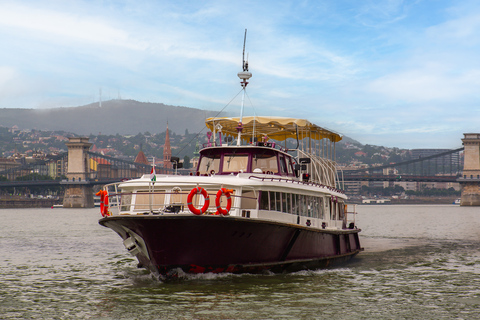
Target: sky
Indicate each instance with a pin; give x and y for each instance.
(393, 73)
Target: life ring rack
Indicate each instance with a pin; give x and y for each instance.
(205, 195)
(227, 193)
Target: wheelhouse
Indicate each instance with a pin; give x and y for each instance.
(245, 159)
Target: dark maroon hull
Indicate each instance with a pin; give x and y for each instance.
(199, 244)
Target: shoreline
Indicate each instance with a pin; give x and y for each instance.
(415, 200)
(14, 202)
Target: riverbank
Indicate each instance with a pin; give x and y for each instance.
(22, 202)
(425, 200)
(410, 200)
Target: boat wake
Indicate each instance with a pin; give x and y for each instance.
(145, 279)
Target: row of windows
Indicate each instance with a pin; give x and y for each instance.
(235, 162)
(471, 176)
(296, 204)
(299, 204)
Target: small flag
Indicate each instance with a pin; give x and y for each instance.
(153, 177)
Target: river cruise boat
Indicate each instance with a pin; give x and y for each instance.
(251, 205)
(247, 207)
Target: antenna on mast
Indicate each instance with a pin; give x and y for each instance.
(244, 76)
(244, 64)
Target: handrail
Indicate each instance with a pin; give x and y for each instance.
(323, 170)
(315, 184)
(150, 206)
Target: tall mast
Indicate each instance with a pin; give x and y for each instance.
(244, 76)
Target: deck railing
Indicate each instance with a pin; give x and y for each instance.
(322, 170)
(155, 201)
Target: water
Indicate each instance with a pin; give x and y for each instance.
(420, 262)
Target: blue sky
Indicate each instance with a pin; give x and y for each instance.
(384, 72)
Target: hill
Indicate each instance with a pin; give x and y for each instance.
(124, 117)
(115, 116)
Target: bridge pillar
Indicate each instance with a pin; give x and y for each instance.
(78, 190)
(470, 180)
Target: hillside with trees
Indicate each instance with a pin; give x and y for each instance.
(125, 117)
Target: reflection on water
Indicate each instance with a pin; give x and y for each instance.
(419, 262)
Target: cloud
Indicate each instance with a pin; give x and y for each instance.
(426, 84)
(70, 27)
(375, 69)
(7, 74)
(463, 30)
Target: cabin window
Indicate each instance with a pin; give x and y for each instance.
(295, 204)
(306, 206)
(272, 201)
(284, 202)
(320, 208)
(314, 204)
(301, 202)
(299, 205)
(126, 202)
(309, 206)
(264, 203)
(278, 201)
(235, 163)
(289, 166)
(209, 163)
(289, 202)
(283, 165)
(265, 162)
(249, 201)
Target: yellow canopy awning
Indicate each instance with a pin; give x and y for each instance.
(277, 128)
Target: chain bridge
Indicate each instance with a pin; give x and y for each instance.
(78, 170)
(101, 170)
(445, 166)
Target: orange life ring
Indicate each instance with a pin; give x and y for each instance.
(100, 193)
(225, 192)
(105, 205)
(204, 193)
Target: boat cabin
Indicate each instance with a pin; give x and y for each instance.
(260, 158)
(259, 180)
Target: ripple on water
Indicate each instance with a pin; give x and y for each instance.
(84, 272)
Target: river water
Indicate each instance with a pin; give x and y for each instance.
(420, 262)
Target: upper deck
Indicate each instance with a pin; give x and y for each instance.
(255, 149)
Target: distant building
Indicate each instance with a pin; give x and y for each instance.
(141, 158)
(167, 152)
(13, 129)
(6, 164)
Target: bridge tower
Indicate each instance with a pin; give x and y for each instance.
(78, 190)
(470, 180)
